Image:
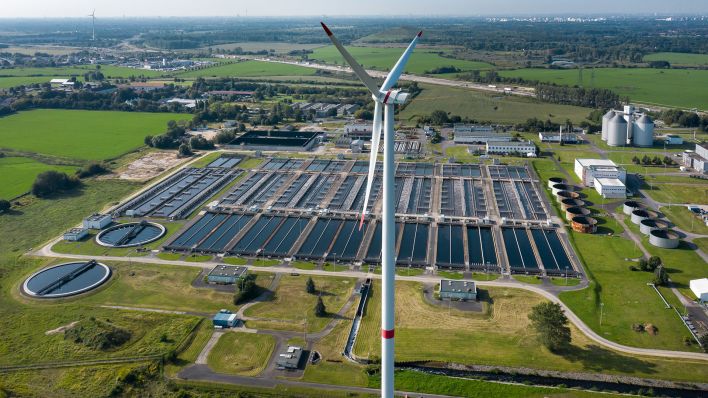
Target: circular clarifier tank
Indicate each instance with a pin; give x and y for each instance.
(66, 279)
(130, 234)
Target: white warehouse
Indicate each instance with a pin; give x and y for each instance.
(610, 188)
(699, 287)
(589, 169)
(523, 147)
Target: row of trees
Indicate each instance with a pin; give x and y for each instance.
(678, 117)
(656, 160)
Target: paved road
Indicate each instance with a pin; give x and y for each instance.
(46, 251)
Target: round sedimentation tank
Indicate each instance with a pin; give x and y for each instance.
(641, 214)
(567, 195)
(617, 131)
(561, 187)
(630, 206)
(66, 279)
(573, 212)
(583, 224)
(648, 225)
(664, 238)
(643, 132)
(130, 234)
(555, 180)
(566, 203)
(605, 123)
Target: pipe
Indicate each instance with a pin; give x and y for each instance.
(388, 258)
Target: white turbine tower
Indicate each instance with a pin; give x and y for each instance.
(93, 24)
(384, 97)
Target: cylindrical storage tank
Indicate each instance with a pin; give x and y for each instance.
(572, 212)
(664, 238)
(561, 187)
(642, 214)
(617, 131)
(566, 203)
(643, 132)
(605, 123)
(648, 225)
(555, 180)
(583, 224)
(567, 195)
(630, 206)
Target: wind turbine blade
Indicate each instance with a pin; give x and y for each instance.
(397, 70)
(375, 138)
(356, 67)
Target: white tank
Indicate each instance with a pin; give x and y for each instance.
(643, 132)
(606, 118)
(617, 131)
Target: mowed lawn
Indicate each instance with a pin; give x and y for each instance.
(487, 107)
(85, 135)
(250, 69)
(383, 58)
(670, 87)
(244, 354)
(18, 173)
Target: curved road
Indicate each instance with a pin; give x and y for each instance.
(47, 251)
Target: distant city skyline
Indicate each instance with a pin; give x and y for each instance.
(280, 8)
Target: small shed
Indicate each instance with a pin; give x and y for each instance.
(290, 359)
(75, 234)
(226, 274)
(457, 290)
(699, 287)
(225, 319)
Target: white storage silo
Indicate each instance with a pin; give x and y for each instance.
(617, 131)
(643, 132)
(605, 119)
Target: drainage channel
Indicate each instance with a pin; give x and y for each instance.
(351, 339)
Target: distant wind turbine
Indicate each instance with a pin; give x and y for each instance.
(93, 24)
(384, 97)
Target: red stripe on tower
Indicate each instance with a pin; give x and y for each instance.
(420, 33)
(329, 32)
(387, 334)
(388, 94)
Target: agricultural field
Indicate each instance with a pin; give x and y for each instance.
(683, 59)
(81, 135)
(109, 71)
(14, 81)
(249, 69)
(277, 47)
(18, 173)
(383, 58)
(244, 354)
(505, 330)
(485, 107)
(668, 87)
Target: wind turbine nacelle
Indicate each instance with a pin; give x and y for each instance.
(397, 97)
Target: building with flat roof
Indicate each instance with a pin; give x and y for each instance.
(226, 274)
(610, 188)
(673, 139)
(457, 290)
(699, 287)
(75, 234)
(589, 169)
(555, 136)
(277, 140)
(697, 159)
(523, 147)
(224, 319)
(472, 134)
(290, 358)
(98, 221)
(358, 131)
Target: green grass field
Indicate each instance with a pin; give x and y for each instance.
(108, 71)
(18, 173)
(486, 107)
(384, 58)
(14, 81)
(683, 59)
(250, 69)
(244, 354)
(84, 135)
(677, 194)
(669, 87)
(685, 219)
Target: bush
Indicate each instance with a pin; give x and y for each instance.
(660, 276)
(4, 205)
(185, 150)
(97, 335)
(654, 262)
(225, 137)
(199, 142)
(92, 169)
(51, 182)
(247, 289)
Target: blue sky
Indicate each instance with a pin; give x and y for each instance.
(137, 8)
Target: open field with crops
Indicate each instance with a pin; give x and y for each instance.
(250, 69)
(669, 87)
(82, 135)
(383, 58)
(18, 173)
(484, 107)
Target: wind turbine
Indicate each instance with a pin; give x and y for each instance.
(93, 24)
(384, 97)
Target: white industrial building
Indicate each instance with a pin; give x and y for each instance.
(98, 221)
(523, 147)
(557, 136)
(699, 287)
(610, 188)
(627, 128)
(358, 131)
(696, 160)
(589, 169)
(75, 234)
(472, 133)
